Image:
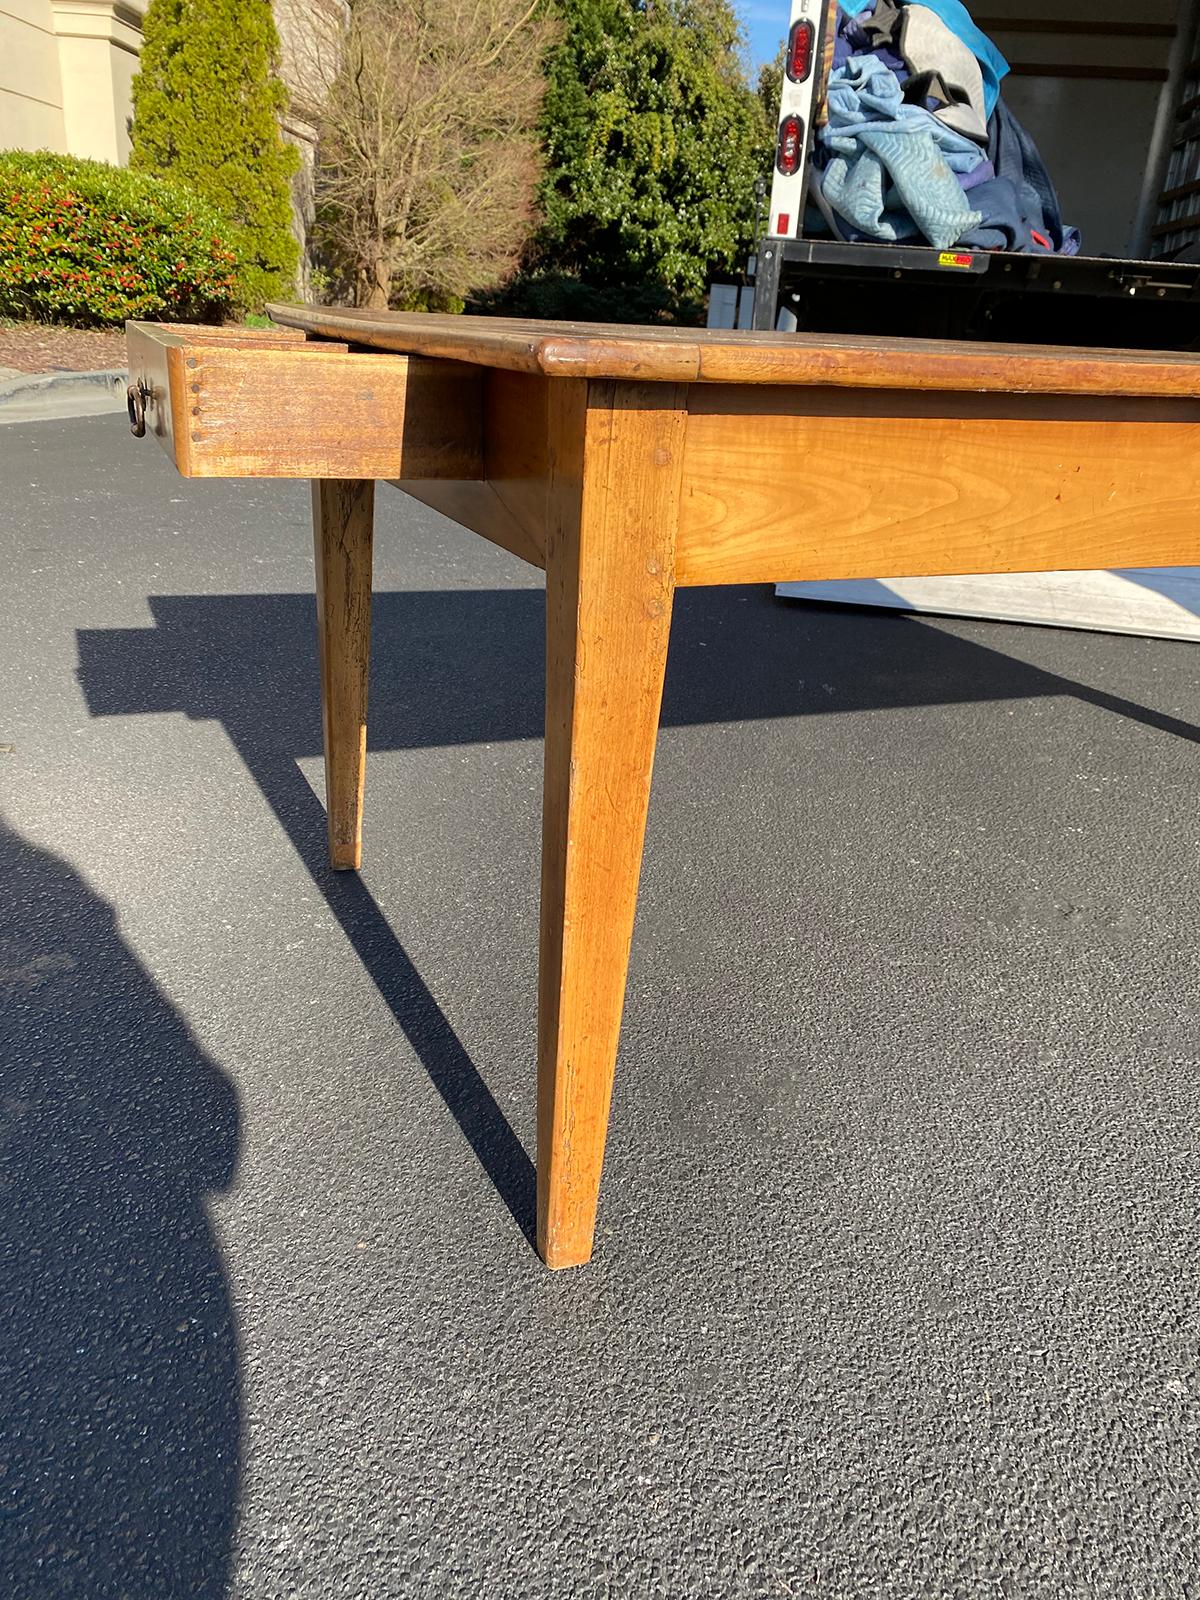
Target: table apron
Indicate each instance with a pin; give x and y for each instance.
(790, 484)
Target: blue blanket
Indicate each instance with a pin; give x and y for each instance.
(892, 167)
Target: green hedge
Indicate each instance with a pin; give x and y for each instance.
(561, 296)
(86, 243)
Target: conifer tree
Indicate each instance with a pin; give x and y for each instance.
(653, 140)
(206, 110)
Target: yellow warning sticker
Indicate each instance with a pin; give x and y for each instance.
(952, 258)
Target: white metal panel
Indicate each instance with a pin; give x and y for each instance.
(787, 192)
(1152, 602)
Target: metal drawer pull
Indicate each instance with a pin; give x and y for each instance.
(136, 396)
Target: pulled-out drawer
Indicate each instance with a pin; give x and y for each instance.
(249, 403)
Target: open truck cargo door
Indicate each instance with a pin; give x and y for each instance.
(1110, 91)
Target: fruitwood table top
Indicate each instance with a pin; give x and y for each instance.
(713, 355)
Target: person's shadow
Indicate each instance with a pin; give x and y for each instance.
(454, 667)
(119, 1402)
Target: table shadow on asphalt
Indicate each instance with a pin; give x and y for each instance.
(119, 1368)
(465, 666)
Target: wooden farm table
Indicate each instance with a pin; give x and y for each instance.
(625, 462)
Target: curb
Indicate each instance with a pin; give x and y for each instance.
(31, 383)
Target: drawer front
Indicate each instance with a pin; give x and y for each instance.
(244, 403)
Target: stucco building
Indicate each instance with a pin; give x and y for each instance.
(65, 71)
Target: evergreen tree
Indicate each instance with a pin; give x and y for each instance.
(654, 140)
(206, 109)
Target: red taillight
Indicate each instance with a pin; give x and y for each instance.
(791, 146)
(798, 63)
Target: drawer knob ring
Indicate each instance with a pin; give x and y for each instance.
(136, 396)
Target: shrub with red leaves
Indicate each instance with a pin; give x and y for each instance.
(87, 244)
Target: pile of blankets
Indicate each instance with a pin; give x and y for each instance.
(919, 145)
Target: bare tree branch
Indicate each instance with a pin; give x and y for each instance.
(428, 157)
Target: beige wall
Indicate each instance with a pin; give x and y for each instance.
(98, 45)
(65, 71)
(31, 107)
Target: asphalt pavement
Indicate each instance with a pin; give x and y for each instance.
(49, 396)
(895, 1290)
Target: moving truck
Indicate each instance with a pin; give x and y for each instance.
(1110, 92)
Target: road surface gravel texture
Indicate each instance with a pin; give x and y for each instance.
(895, 1290)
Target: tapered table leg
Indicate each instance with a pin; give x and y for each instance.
(343, 517)
(610, 578)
